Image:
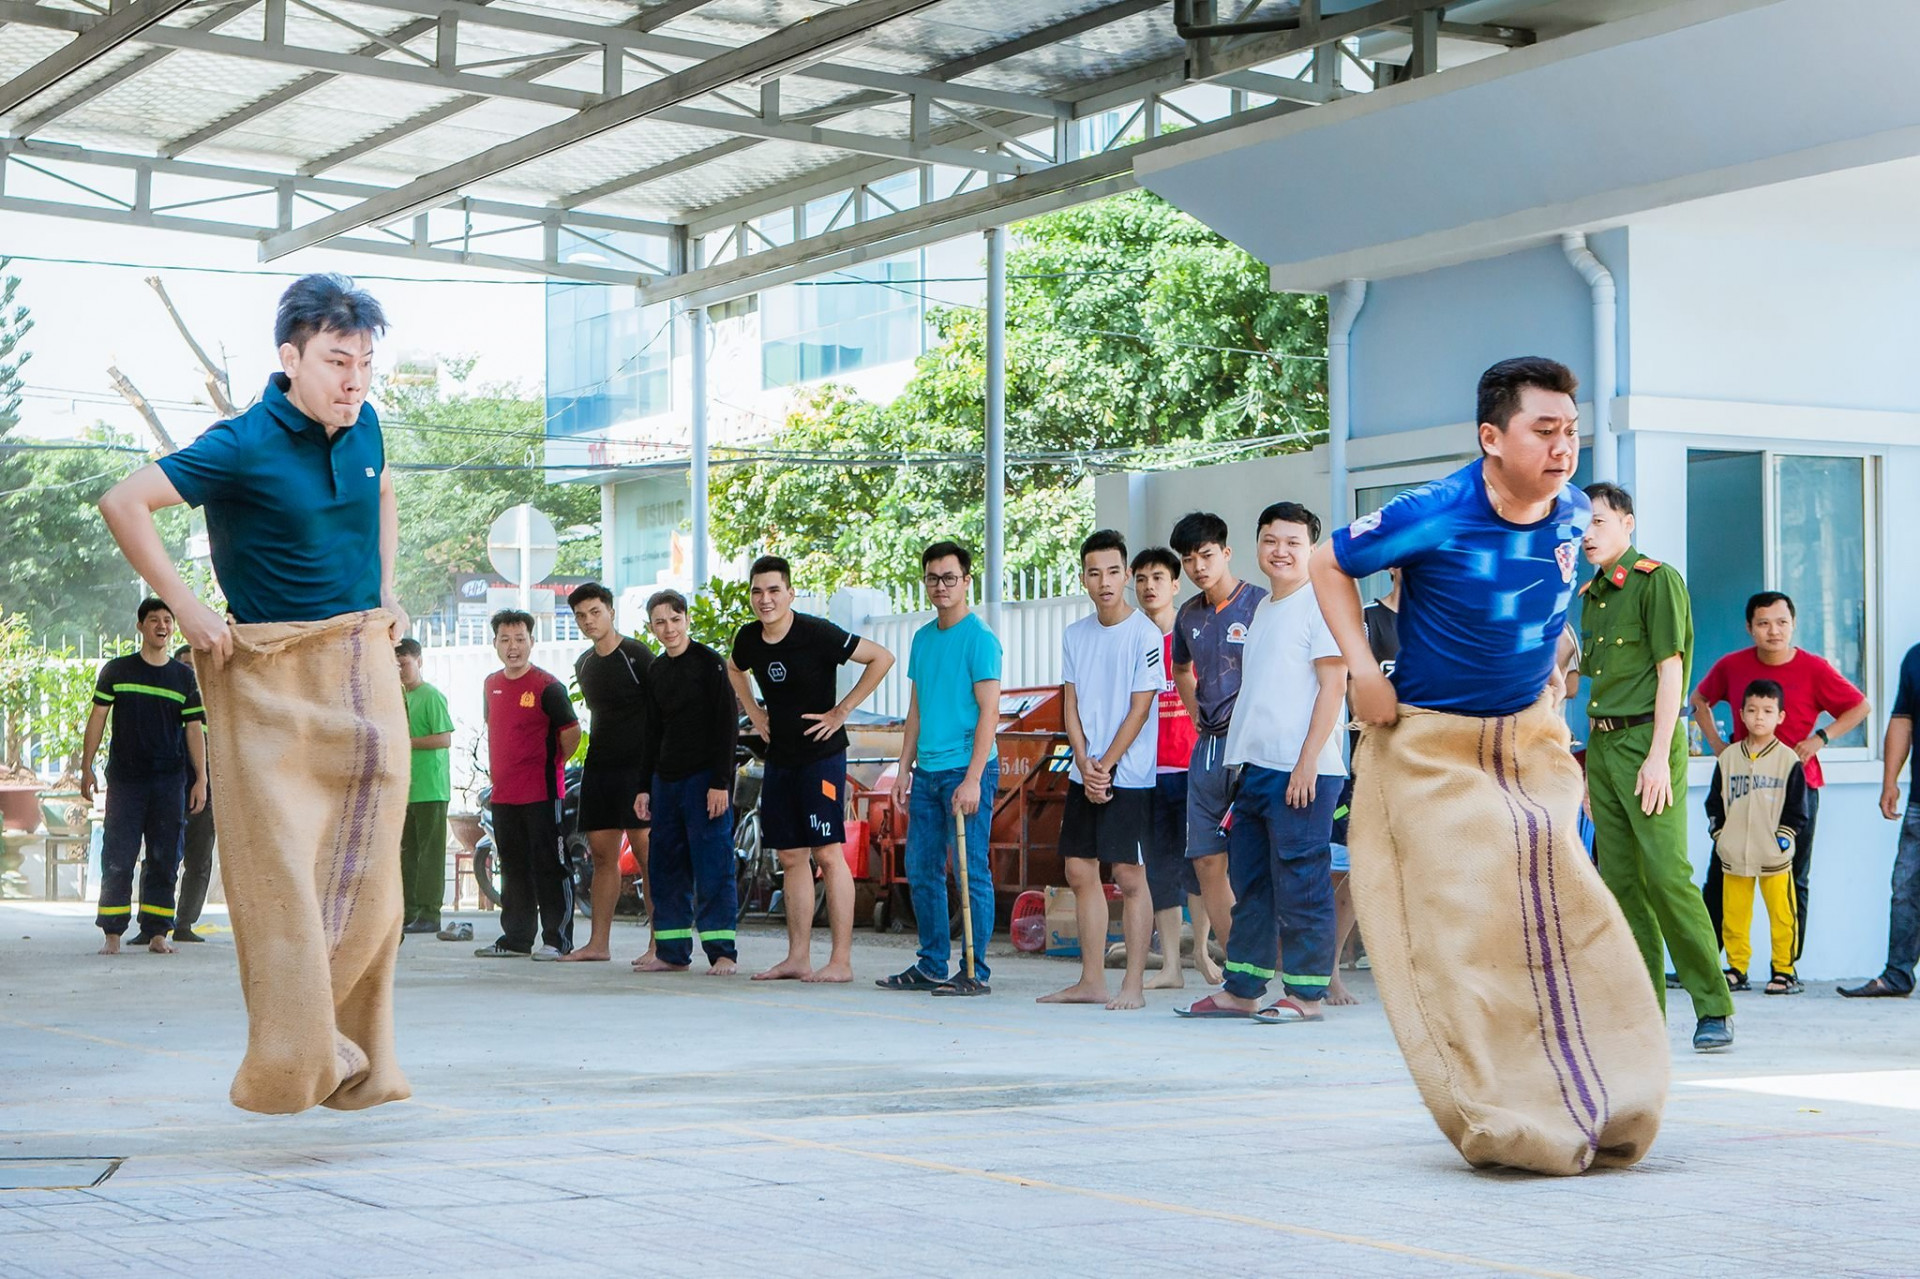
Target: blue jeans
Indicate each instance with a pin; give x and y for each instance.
(153, 809)
(692, 864)
(1903, 923)
(1280, 865)
(929, 835)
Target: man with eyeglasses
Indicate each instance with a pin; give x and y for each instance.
(795, 659)
(949, 765)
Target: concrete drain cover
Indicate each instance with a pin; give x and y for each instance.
(55, 1174)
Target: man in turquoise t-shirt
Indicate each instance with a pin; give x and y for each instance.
(948, 765)
(423, 840)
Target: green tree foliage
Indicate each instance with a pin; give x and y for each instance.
(1136, 339)
(444, 514)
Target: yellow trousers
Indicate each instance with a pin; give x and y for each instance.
(1736, 927)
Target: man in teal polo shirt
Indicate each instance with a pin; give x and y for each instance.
(307, 724)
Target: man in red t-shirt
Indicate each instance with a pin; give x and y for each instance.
(1813, 687)
(531, 734)
(1170, 876)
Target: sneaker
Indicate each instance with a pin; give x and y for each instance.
(547, 955)
(186, 935)
(497, 951)
(1712, 1034)
(456, 932)
(422, 926)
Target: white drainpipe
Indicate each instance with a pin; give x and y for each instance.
(1606, 445)
(1343, 308)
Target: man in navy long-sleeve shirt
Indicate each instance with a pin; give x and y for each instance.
(689, 796)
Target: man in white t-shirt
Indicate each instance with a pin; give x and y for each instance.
(1111, 675)
(1284, 741)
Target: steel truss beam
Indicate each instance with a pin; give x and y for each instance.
(68, 165)
(97, 41)
(765, 56)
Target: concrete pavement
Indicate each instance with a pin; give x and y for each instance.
(587, 1121)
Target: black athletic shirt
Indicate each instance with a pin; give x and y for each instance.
(152, 705)
(698, 717)
(796, 677)
(614, 688)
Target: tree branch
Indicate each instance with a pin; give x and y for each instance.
(139, 402)
(217, 385)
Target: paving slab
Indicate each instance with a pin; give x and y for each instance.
(605, 1122)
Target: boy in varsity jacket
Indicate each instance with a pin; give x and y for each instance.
(1757, 812)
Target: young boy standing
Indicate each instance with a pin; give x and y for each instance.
(1171, 882)
(1209, 642)
(1282, 818)
(1757, 812)
(1111, 677)
(795, 659)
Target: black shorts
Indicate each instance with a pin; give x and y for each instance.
(1116, 832)
(805, 806)
(607, 792)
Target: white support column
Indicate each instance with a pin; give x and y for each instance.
(1343, 308)
(697, 442)
(996, 420)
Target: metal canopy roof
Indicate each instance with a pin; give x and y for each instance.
(697, 149)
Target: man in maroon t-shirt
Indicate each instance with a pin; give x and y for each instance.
(1813, 687)
(531, 733)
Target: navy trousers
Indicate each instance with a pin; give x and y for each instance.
(1281, 868)
(150, 810)
(694, 890)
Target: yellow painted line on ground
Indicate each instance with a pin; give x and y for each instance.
(110, 1043)
(1154, 1205)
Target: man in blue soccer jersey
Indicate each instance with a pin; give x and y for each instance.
(1505, 968)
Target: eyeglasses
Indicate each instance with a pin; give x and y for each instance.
(947, 580)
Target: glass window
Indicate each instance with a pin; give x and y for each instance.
(608, 361)
(854, 319)
(1788, 522)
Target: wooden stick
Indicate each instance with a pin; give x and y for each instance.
(966, 895)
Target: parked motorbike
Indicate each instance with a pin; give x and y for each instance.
(574, 848)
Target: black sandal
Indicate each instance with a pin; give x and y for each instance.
(911, 979)
(1877, 988)
(1737, 980)
(1783, 984)
(961, 988)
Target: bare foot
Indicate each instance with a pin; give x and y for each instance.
(159, 944)
(654, 964)
(587, 957)
(1338, 995)
(1129, 997)
(786, 970)
(840, 972)
(1210, 974)
(1078, 993)
(1168, 978)
(111, 946)
(723, 967)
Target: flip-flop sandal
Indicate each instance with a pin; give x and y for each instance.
(911, 979)
(456, 932)
(1209, 1007)
(1288, 1012)
(960, 988)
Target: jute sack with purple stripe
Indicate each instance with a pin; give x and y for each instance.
(310, 759)
(1508, 972)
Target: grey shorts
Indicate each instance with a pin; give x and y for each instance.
(1207, 797)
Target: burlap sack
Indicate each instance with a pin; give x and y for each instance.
(1508, 973)
(310, 758)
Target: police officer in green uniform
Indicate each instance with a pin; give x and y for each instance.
(1637, 626)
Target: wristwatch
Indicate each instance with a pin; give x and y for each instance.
(1821, 733)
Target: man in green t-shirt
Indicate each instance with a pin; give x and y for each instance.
(423, 840)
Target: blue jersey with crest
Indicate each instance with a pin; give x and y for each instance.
(1482, 601)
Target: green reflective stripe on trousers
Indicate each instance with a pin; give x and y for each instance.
(673, 934)
(167, 693)
(116, 910)
(157, 910)
(718, 935)
(1251, 970)
(1293, 980)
